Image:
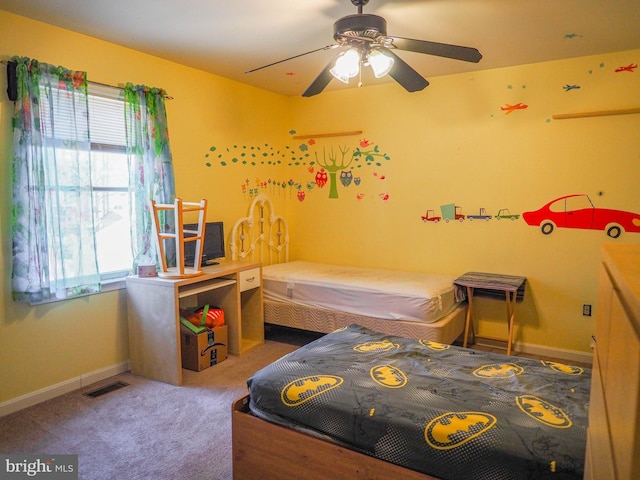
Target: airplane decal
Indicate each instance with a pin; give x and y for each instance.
(629, 68)
(512, 108)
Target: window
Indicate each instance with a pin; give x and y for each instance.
(110, 181)
(85, 163)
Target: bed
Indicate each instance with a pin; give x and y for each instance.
(280, 450)
(425, 408)
(322, 298)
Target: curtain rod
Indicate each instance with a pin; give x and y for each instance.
(120, 86)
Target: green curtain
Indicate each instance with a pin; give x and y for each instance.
(54, 254)
(151, 175)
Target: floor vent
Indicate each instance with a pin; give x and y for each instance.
(104, 390)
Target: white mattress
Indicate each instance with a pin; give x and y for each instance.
(388, 294)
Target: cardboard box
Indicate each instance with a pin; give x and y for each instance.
(202, 350)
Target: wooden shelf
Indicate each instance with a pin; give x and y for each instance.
(323, 135)
(599, 113)
(204, 287)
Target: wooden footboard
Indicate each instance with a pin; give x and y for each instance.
(266, 450)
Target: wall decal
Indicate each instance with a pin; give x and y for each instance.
(629, 68)
(344, 160)
(507, 109)
(331, 165)
(430, 217)
(346, 177)
(451, 212)
(505, 213)
(321, 178)
(578, 211)
(482, 215)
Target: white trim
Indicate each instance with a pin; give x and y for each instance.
(105, 286)
(541, 350)
(61, 388)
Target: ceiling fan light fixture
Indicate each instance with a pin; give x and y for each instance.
(347, 65)
(380, 63)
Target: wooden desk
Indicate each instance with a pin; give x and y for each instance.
(154, 304)
(490, 284)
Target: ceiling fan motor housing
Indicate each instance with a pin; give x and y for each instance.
(359, 26)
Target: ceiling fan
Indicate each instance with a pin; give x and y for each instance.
(369, 45)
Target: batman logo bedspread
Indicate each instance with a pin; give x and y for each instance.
(453, 413)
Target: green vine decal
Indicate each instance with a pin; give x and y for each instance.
(325, 168)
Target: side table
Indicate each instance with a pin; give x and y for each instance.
(492, 284)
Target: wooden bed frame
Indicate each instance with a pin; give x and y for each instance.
(278, 453)
(262, 236)
(613, 440)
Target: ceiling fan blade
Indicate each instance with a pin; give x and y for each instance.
(328, 47)
(321, 81)
(457, 52)
(406, 76)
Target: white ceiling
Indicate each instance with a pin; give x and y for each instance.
(232, 36)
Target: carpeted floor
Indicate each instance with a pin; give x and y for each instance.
(148, 429)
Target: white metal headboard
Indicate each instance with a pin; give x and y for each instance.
(258, 237)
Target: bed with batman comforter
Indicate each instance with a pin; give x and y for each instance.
(444, 411)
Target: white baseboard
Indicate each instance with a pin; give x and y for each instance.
(548, 352)
(67, 386)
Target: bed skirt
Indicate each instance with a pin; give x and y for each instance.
(445, 330)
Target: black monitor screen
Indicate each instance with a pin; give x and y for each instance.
(213, 247)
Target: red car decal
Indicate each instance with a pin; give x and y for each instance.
(577, 211)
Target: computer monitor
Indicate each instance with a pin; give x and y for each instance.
(213, 247)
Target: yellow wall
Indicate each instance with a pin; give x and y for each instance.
(450, 143)
(50, 344)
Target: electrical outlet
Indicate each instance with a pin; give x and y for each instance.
(586, 310)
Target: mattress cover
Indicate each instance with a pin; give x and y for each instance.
(378, 293)
(446, 411)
